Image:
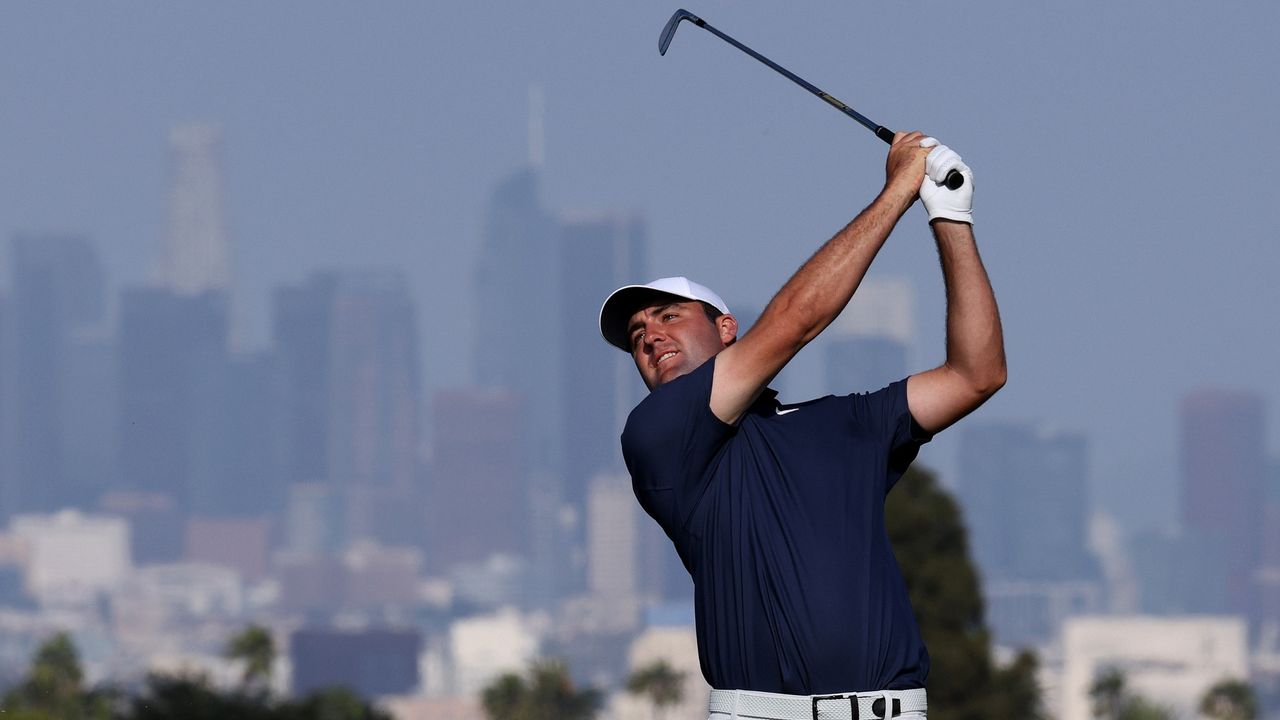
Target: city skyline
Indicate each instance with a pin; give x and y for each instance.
(374, 137)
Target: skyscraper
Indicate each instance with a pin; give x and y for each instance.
(600, 385)
(174, 392)
(374, 397)
(347, 382)
(1024, 490)
(516, 303)
(478, 502)
(58, 301)
(1222, 457)
(196, 253)
(301, 327)
(869, 343)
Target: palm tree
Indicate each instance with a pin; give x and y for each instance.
(254, 647)
(663, 685)
(548, 693)
(1108, 694)
(1230, 700)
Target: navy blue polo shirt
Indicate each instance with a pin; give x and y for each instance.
(780, 521)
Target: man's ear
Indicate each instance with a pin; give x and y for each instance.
(728, 327)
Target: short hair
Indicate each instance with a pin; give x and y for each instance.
(711, 311)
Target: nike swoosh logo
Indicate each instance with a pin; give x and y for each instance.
(784, 412)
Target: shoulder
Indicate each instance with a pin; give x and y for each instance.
(669, 408)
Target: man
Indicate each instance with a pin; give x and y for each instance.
(777, 511)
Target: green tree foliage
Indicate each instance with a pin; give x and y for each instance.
(255, 649)
(54, 687)
(932, 547)
(1112, 700)
(53, 690)
(1230, 700)
(662, 684)
(546, 692)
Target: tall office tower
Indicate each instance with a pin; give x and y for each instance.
(173, 395)
(1024, 492)
(1222, 450)
(301, 327)
(517, 276)
(346, 379)
(478, 503)
(868, 345)
(600, 384)
(252, 486)
(196, 254)
(57, 303)
(374, 395)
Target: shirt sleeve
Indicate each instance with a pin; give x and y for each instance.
(669, 443)
(885, 411)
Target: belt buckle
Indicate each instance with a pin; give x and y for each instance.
(885, 707)
(852, 698)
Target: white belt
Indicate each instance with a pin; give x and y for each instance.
(750, 705)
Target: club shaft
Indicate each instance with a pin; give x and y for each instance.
(882, 132)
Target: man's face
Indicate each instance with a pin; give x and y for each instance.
(669, 339)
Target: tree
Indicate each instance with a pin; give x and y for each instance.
(1112, 699)
(54, 687)
(931, 544)
(547, 693)
(256, 649)
(661, 683)
(1230, 700)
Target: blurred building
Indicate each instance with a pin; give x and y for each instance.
(1223, 463)
(1024, 490)
(484, 647)
(47, 377)
(348, 389)
(241, 544)
(156, 526)
(301, 331)
(72, 558)
(517, 326)
(677, 646)
(868, 345)
(600, 385)
(369, 662)
(1170, 661)
(174, 395)
(478, 503)
(178, 606)
(380, 577)
(195, 257)
(612, 538)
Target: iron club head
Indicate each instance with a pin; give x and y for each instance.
(669, 31)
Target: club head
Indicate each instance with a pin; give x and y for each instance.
(669, 31)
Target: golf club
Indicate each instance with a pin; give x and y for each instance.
(954, 178)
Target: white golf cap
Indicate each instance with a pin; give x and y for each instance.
(625, 301)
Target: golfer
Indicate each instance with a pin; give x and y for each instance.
(777, 510)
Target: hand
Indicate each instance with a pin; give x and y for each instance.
(941, 202)
(904, 168)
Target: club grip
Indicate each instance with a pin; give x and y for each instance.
(954, 179)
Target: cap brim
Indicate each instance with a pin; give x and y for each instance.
(621, 305)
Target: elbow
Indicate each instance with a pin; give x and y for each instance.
(989, 383)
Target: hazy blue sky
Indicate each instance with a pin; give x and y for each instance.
(1124, 156)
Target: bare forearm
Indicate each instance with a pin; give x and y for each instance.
(821, 288)
(975, 339)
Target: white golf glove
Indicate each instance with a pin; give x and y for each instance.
(939, 200)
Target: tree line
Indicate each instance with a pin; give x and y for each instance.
(54, 689)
